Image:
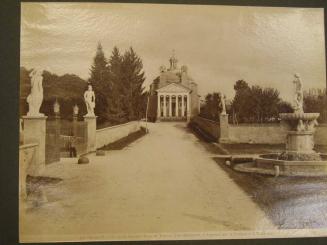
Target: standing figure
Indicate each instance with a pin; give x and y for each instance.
(298, 96)
(223, 104)
(35, 98)
(89, 98)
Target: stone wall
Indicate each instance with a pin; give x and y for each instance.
(108, 135)
(210, 127)
(267, 133)
(254, 133)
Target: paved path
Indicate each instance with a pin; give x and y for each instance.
(163, 182)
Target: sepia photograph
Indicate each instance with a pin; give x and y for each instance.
(146, 121)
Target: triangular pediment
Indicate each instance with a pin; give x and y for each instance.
(173, 88)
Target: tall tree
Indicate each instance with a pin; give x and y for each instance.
(115, 99)
(99, 78)
(132, 85)
(241, 105)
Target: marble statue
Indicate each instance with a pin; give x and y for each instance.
(223, 104)
(35, 98)
(298, 98)
(311, 125)
(89, 98)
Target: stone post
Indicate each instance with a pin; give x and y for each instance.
(74, 125)
(224, 127)
(35, 133)
(91, 132)
(57, 137)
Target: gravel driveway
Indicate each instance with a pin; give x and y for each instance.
(164, 182)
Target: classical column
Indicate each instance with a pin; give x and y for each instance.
(170, 106)
(176, 105)
(183, 109)
(158, 107)
(165, 107)
(188, 112)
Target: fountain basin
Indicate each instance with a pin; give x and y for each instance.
(298, 116)
(292, 167)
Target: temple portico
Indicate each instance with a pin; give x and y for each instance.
(173, 105)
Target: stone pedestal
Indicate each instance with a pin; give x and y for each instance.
(35, 133)
(300, 141)
(91, 132)
(224, 127)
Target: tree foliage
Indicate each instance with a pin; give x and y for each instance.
(118, 86)
(316, 104)
(212, 107)
(257, 104)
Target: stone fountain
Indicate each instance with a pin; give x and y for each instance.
(299, 156)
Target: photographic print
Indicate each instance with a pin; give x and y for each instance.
(171, 122)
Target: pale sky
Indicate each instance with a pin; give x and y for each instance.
(219, 44)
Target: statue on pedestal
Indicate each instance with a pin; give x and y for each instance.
(89, 98)
(35, 98)
(298, 97)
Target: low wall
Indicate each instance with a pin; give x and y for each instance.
(28, 164)
(108, 135)
(269, 134)
(209, 126)
(257, 133)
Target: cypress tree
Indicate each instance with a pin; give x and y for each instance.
(115, 99)
(132, 79)
(99, 78)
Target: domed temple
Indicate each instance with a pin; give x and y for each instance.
(173, 94)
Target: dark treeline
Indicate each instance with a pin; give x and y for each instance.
(255, 104)
(117, 82)
(250, 104)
